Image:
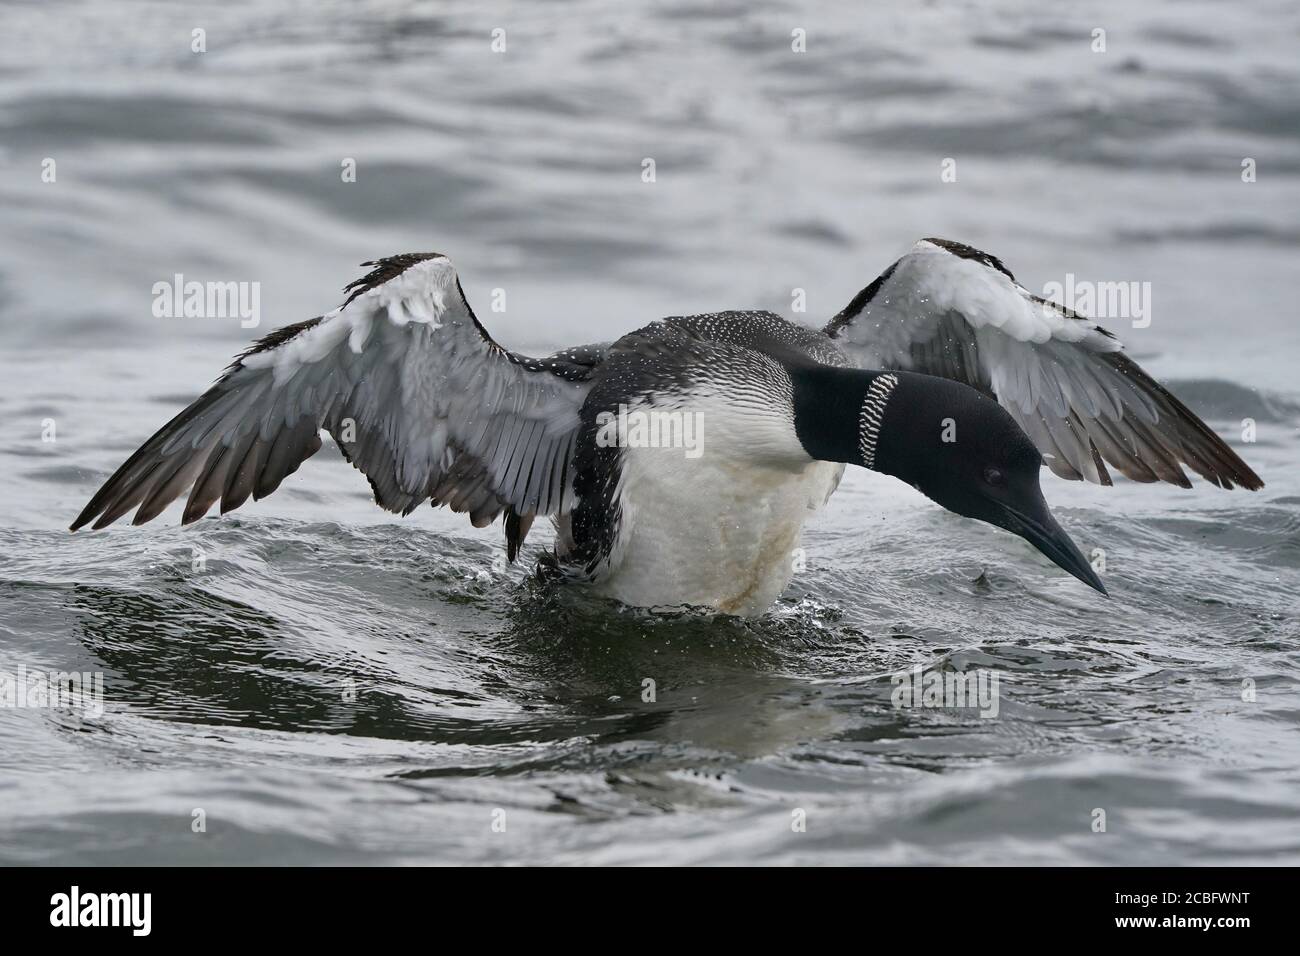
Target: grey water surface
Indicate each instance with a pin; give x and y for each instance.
(328, 683)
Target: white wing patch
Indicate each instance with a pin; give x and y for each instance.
(933, 279)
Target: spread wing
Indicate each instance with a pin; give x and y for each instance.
(949, 310)
(416, 393)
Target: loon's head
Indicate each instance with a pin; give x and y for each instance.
(952, 443)
(964, 451)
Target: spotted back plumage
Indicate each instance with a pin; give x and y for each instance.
(741, 357)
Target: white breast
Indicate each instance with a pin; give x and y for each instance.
(718, 530)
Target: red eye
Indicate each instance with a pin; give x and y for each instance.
(994, 477)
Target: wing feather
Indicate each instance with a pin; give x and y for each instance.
(411, 386)
(949, 310)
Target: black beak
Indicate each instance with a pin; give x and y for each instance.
(1050, 538)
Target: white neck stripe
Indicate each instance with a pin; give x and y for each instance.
(873, 413)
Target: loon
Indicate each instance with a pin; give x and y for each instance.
(944, 372)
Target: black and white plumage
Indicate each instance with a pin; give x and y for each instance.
(653, 527)
(413, 389)
(949, 310)
(422, 400)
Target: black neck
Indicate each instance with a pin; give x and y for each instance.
(828, 409)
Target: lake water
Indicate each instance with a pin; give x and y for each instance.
(327, 683)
